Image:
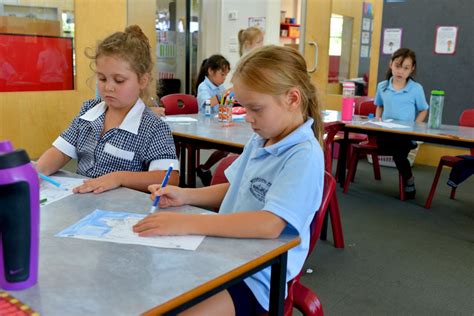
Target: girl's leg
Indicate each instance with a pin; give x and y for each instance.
(204, 172)
(400, 157)
(219, 304)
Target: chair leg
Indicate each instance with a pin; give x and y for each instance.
(306, 301)
(376, 167)
(435, 183)
(352, 167)
(453, 193)
(336, 222)
(356, 163)
(182, 165)
(401, 187)
(324, 230)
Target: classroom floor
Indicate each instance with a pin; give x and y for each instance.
(400, 258)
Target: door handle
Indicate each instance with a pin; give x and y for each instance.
(316, 53)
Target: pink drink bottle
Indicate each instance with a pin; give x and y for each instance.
(348, 91)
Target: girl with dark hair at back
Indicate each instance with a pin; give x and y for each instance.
(210, 81)
(210, 86)
(400, 97)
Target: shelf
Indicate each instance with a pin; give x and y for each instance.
(289, 30)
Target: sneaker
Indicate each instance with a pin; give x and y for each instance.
(410, 191)
(410, 195)
(204, 175)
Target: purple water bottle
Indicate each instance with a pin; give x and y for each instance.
(19, 219)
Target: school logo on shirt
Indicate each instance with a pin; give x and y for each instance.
(259, 188)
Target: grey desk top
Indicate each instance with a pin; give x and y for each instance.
(238, 133)
(83, 277)
(210, 129)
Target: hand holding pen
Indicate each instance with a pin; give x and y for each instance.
(163, 184)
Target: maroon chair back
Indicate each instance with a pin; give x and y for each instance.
(367, 107)
(219, 176)
(180, 103)
(358, 103)
(299, 296)
(330, 131)
(467, 119)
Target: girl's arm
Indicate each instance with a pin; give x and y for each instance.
(130, 179)
(421, 116)
(51, 161)
(252, 224)
(378, 112)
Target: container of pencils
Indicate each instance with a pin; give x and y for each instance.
(225, 109)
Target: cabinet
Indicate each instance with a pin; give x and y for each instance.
(288, 30)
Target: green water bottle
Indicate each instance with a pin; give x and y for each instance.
(436, 108)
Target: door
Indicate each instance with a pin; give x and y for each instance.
(341, 42)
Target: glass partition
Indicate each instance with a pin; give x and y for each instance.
(36, 45)
(349, 45)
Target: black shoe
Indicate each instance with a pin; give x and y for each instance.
(204, 175)
(410, 195)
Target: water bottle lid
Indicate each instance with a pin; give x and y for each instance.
(437, 92)
(13, 159)
(348, 84)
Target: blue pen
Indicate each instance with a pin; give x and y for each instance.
(51, 180)
(163, 184)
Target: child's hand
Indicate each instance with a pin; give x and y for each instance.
(169, 195)
(161, 223)
(101, 184)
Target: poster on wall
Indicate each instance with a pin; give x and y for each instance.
(257, 22)
(445, 42)
(392, 40)
(364, 51)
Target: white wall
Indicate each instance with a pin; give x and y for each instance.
(219, 34)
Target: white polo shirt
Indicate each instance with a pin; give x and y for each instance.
(287, 179)
(142, 141)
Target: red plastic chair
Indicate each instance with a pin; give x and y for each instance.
(180, 103)
(219, 176)
(299, 296)
(368, 147)
(176, 104)
(330, 131)
(466, 119)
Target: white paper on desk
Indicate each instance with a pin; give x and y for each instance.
(179, 119)
(53, 193)
(389, 125)
(117, 227)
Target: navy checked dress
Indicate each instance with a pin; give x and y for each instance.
(142, 142)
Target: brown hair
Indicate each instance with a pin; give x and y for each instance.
(131, 45)
(248, 36)
(402, 54)
(274, 70)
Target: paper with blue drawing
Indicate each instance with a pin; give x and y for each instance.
(117, 227)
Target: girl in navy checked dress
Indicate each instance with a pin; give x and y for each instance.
(116, 138)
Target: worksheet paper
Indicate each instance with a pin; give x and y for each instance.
(52, 193)
(178, 119)
(389, 125)
(117, 227)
